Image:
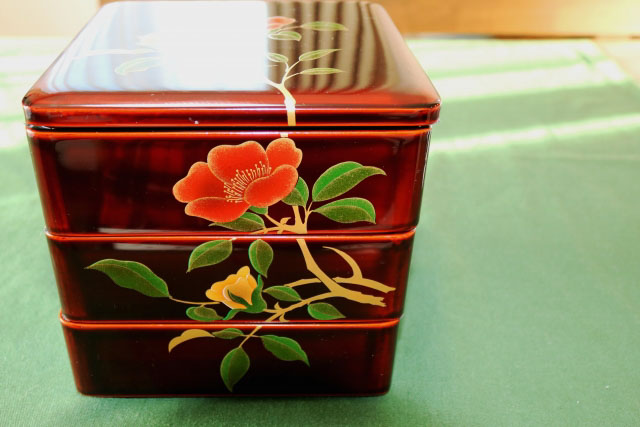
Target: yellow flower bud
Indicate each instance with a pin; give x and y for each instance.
(241, 284)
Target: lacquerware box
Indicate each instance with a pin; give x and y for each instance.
(230, 192)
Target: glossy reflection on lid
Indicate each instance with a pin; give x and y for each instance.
(198, 46)
(235, 64)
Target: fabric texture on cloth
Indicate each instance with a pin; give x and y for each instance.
(523, 305)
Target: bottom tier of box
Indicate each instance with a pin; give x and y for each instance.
(133, 359)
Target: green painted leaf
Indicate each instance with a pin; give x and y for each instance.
(258, 210)
(349, 210)
(132, 275)
(340, 178)
(258, 304)
(324, 311)
(203, 314)
(276, 57)
(228, 334)
(247, 222)
(233, 367)
(323, 26)
(318, 71)
(261, 256)
(284, 348)
(294, 198)
(315, 54)
(187, 335)
(137, 64)
(332, 173)
(286, 35)
(239, 300)
(210, 253)
(283, 293)
(299, 195)
(230, 315)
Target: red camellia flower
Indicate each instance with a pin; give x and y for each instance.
(276, 22)
(236, 177)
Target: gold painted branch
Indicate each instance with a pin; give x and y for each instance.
(297, 228)
(331, 284)
(367, 283)
(289, 101)
(190, 334)
(282, 311)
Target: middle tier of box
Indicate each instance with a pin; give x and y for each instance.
(247, 278)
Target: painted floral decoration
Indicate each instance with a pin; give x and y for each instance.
(242, 284)
(237, 177)
(234, 189)
(276, 22)
(147, 55)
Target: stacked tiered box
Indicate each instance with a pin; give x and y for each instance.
(230, 192)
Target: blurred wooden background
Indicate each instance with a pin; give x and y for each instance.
(508, 18)
(520, 18)
(614, 23)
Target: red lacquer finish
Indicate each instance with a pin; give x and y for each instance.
(121, 182)
(89, 295)
(132, 360)
(205, 65)
(230, 191)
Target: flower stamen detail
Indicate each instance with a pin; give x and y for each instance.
(234, 189)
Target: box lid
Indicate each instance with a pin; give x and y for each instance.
(235, 64)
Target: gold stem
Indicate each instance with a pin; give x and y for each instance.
(276, 223)
(266, 230)
(300, 227)
(367, 283)
(301, 304)
(296, 217)
(289, 105)
(297, 228)
(307, 212)
(331, 284)
(286, 75)
(289, 101)
(252, 333)
(286, 310)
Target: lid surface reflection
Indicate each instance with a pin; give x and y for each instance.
(235, 63)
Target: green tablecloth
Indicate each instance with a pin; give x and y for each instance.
(524, 297)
